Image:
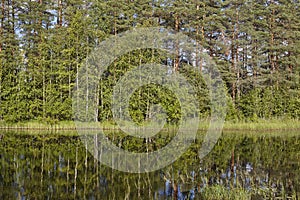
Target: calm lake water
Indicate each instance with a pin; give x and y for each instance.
(45, 165)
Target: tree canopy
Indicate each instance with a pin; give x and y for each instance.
(43, 44)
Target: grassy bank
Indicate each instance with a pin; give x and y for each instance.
(263, 125)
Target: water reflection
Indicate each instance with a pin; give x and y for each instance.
(56, 166)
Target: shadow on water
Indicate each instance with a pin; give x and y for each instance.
(57, 166)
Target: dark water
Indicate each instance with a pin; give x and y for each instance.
(57, 166)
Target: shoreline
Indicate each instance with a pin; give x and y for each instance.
(262, 125)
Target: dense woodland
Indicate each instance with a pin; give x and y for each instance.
(43, 44)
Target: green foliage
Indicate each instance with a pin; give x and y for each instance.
(43, 46)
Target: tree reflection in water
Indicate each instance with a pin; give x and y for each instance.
(58, 166)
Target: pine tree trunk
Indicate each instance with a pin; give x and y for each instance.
(75, 174)
(59, 13)
(176, 62)
(237, 59)
(233, 68)
(2, 24)
(1, 46)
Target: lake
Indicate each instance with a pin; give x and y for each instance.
(242, 165)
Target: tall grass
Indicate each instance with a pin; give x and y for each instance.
(219, 192)
(272, 124)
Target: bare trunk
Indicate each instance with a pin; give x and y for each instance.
(85, 169)
(75, 174)
(59, 13)
(176, 61)
(233, 69)
(1, 44)
(68, 168)
(77, 73)
(127, 194)
(254, 65)
(232, 161)
(87, 89)
(87, 95)
(2, 23)
(42, 167)
(237, 59)
(271, 51)
(199, 44)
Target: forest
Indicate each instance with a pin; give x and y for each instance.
(43, 45)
